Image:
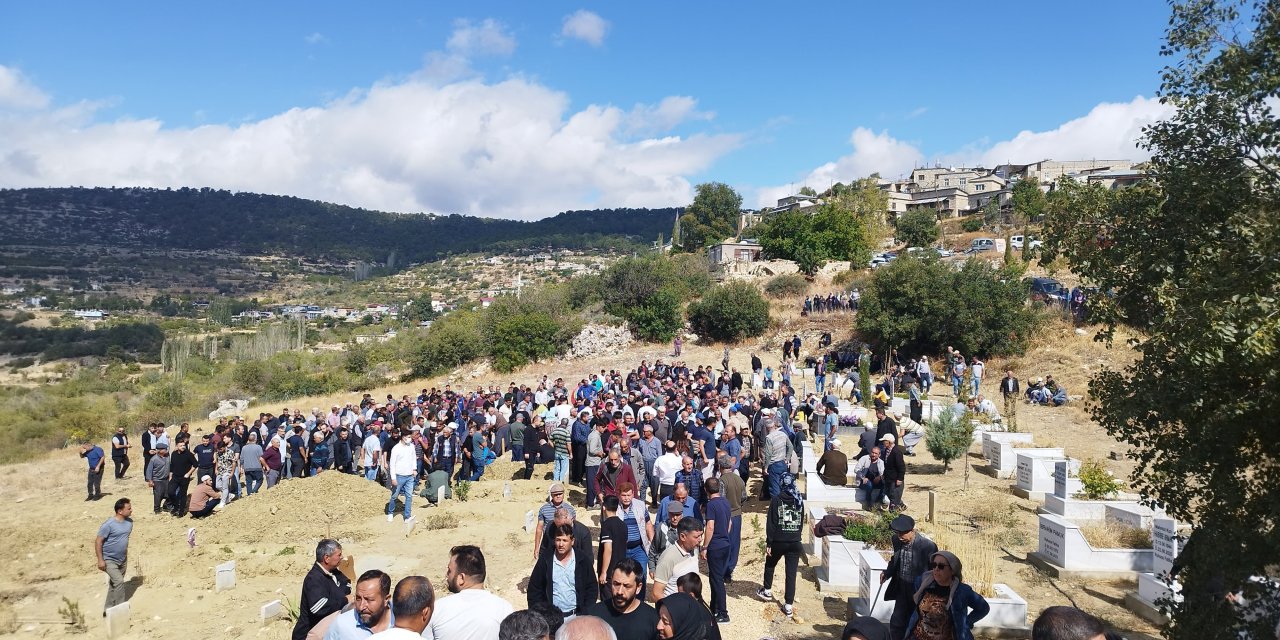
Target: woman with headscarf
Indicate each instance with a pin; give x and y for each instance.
(945, 607)
(680, 617)
(783, 529)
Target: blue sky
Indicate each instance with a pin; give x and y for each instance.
(524, 109)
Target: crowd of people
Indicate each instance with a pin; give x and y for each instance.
(664, 450)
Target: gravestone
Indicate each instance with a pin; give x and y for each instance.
(440, 494)
(117, 620)
(270, 611)
(530, 520)
(808, 459)
(348, 567)
(1134, 516)
(224, 576)
(870, 589)
(1053, 540)
(1035, 475)
(1064, 552)
(1060, 475)
(1164, 546)
(506, 491)
(1154, 588)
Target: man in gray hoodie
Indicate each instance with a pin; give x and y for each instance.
(157, 474)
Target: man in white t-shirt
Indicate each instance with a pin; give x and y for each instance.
(472, 612)
(371, 453)
(412, 604)
(679, 559)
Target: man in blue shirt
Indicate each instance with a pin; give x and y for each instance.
(97, 461)
(719, 519)
(371, 610)
(580, 431)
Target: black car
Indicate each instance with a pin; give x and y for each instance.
(1048, 291)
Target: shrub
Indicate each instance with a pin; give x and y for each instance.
(972, 224)
(658, 318)
(167, 396)
(1097, 483)
(926, 305)
(451, 341)
(949, 435)
(917, 228)
(520, 339)
(787, 285)
(871, 528)
(730, 312)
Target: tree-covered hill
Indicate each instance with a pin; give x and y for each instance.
(208, 219)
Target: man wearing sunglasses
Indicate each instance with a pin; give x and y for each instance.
(911, 554)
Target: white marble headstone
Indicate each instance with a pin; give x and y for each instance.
(1060, 472)
(225, 576)
(1164, 545)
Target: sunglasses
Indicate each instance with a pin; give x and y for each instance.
(939, 565)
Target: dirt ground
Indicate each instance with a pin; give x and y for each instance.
(272, 536)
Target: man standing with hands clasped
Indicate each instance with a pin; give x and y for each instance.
(97, 460)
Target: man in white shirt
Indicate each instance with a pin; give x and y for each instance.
(371, 453)
(412, 604)
(665, 468)
(679, 559)
(472, 612)
(402, 471)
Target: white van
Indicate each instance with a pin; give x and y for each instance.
(982, 244)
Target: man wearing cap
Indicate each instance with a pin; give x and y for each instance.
(204, 499)
(895, 471)
(547, 513)
(833, 466)
(157, 476)
(911, 554)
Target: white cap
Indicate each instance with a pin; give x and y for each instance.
(888, 436)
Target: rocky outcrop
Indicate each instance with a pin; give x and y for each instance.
(600, 339)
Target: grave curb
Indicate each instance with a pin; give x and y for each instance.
(1143, 609)
(1084, 574)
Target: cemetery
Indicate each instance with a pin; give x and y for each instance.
(1034, 475)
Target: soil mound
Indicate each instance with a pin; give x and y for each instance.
(330, 505)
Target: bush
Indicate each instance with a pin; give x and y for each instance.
(167, 396)
(730, 312)
(451, 341)
(922, 306)
(918, 227)
(520, 339)
(658, 318)
(972, 224)
(1097, 482)
(871, 528)
(948, 436)
(787, 285)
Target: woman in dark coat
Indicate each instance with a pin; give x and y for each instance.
(945, 607)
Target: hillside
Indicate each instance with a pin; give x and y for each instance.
(251, 223)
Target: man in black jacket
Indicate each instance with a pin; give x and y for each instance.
(911, 554)
(583, 588)
(895, 471)
(325, 590)
(1009, 387)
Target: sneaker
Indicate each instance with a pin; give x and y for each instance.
(409, 520)
(764, 594)
(789, 610)
(723, 618)
(390, 517)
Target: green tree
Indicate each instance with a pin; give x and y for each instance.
(864, 376)
(831, 233)
(730, 313)
(918, 227)
(922, 305)
(1192, 260)
(1029, 204)
(711, 218)
(807, 191)
(949, 436)
(658, 318)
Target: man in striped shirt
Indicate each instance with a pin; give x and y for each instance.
(561, 441)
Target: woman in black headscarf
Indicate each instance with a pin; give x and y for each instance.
(680, 617)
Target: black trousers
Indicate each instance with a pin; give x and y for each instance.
(122, 465)
(178, 495)
(791, 552)
(95, 483)
(159, 494)
(578, 465)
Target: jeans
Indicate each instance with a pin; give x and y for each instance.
(775, 477)
(977, 385)
(821, 381)
(591, 485)
(777, 551)
(638, 554)
(224, 485)
(95, 483)
(122, 465)
(207, 510)
(253, 480)
(115, 583)
(717, 562)
(562, 467)
(874, 492)
(371, 473)
(956, 381)
(735, 546)
(517, 452)
(404, 487)
(477, 471)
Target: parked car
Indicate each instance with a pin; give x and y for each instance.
(1016, 242)
(981, 244)
(1048, 291)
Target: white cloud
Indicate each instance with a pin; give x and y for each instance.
(1109, 131)
(671, 111)
(316, 38)
(872, 153)
(505, 149)
(585, 26)
(917, 112)
(489, 37)
(18, 93)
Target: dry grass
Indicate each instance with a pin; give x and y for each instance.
(976, 551)
(1110, 535)
(441, 520)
